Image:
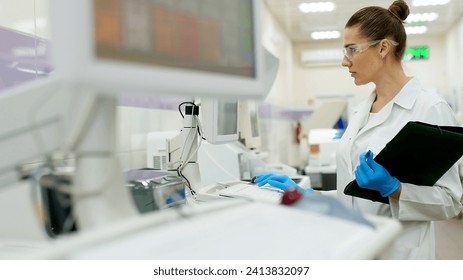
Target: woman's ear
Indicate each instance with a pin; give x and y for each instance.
(385, 47)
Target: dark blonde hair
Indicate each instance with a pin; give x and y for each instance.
(378, 23)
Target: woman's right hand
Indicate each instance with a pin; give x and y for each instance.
(279, 181)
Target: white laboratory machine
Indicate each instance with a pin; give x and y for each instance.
(321, 164)
(323, 143)
(178, 151)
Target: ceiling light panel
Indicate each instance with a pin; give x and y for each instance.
(325, 35)
(425, 17)
(414, 30)
(317, 7)
(420, 3)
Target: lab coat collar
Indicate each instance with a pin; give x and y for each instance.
(364, 104)
(408, 94)
(382, 116)
(405, 98)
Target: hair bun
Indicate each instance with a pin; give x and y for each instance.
(400, 9)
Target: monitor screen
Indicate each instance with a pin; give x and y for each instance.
(249, 126)
(188, 48)
(219, 120)
(253, 117)
(192, 34)
(227, 118)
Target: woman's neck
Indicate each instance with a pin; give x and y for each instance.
(388, 86)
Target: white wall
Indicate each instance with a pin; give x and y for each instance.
(432, 72)
(454, 62)
(277, 134)
(448, 241)
(27, 16)
(277, 42)
(330, 80)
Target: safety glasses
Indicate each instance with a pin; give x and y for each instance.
(351, 51)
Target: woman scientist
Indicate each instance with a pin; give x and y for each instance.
(374, 43)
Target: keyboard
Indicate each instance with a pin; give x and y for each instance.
(250, 191)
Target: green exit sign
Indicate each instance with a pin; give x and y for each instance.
(416, 53)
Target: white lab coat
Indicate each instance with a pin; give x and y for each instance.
(418, 205)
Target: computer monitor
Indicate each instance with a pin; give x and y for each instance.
(160, 47)
(250, 134)
(219, 120)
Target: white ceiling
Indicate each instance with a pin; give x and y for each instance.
(299, 26)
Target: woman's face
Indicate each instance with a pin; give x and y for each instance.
(362, 57)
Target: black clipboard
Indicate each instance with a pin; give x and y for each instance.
(419, 154)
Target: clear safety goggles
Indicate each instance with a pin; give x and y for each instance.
(351, 51)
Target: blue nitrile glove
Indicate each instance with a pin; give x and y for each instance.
(371, 175)
(282, 182)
